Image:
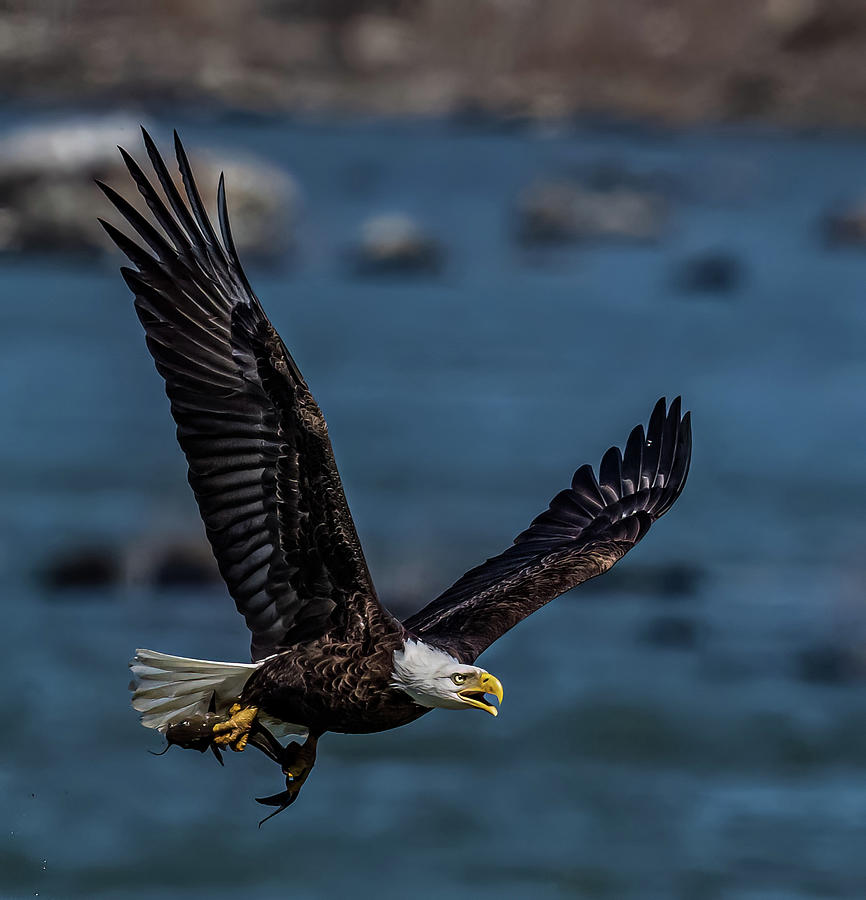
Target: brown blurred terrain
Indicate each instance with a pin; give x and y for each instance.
(800, 62)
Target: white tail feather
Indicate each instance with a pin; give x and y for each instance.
(168, 689)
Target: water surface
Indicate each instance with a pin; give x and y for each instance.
(457, 407)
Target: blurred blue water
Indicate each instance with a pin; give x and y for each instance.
(457, 407)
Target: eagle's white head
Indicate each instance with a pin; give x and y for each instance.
(432, 677)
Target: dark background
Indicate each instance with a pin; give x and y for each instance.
(492, 234)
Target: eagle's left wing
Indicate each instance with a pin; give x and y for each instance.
(586, 529)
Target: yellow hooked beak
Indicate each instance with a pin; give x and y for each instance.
(475, 689)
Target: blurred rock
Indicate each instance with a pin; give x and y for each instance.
(810, 26)
(785, 16)
(846, 227)
(829, 663)
(83, 567)
(715, 272)
(375, 42)
(676, 632)
(48, 202)
(749, 95)
(171, 563)
(471, 115)
(394, 243)
(564, 210)
(667, 581)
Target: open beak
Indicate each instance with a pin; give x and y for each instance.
(473, 693)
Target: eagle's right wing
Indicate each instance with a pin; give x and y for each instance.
(586, 529)
(260, 460)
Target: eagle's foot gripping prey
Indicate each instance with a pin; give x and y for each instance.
(235, 732)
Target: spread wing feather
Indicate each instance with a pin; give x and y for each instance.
(585, 530)
(260, 459)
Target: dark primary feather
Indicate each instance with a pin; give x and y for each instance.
(260, 460)
(585, 530)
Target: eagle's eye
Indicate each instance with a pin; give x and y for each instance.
(458, 678)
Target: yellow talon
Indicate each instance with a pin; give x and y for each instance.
(235, 732)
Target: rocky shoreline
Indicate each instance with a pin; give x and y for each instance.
(46, 180)
(790, 62)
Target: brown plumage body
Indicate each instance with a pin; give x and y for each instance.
(329, 685)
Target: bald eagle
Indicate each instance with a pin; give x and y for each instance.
(326, 655)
